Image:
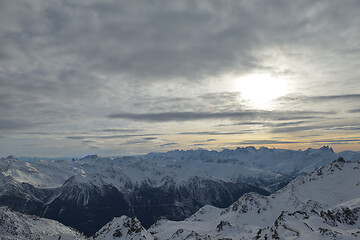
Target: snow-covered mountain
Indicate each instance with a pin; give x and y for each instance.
(17, 226)
(123, 228)
(320, 205)
(87, 193)
(240, 164)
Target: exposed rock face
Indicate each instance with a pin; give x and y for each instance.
(123, 228)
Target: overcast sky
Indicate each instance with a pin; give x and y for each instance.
(127, 77)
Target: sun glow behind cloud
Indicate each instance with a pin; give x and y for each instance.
(260, 89)
(74, 75)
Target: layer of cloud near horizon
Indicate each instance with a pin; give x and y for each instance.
(127, 77)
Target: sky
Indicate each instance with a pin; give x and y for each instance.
(121, 77)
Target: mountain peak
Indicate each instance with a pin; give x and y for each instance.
(340, 159)
(327, 148)
(123, 228)
(11, 158)
(90, 157)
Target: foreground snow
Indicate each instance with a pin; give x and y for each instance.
(17, 226)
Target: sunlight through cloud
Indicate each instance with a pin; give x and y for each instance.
(260, 89)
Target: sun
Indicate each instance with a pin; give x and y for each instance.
(259, 90)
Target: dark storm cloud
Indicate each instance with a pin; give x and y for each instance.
(191, 116)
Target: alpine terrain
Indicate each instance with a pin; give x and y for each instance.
(87, 193)
(324, 204)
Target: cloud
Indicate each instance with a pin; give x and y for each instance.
(210, 140)
(191, 116)
(37, 133)
(354, 110)
(296, 129)
(15, 124)
(124, 130)
(321, 98)
(216, 133)
(64, 65)
(290, 123)
(139, 141)
(335, 97)
(275, 142)
(112, 136)
(313, 127)
(241, 124)
(168, 144)
(76, 137)
(266, 141)
(267, 123)
(339, 141)
(197, 144)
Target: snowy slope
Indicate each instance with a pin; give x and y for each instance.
(341, 222)
(173, 184)
(43, 174)
(330, 191)
(17, 226)
(123, 228)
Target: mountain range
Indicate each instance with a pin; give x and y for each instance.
(88, 193)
